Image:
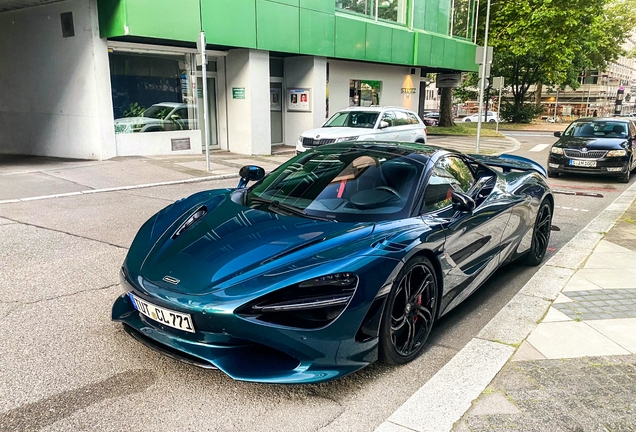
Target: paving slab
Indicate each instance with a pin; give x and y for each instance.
(108, 217)
(493, 403)
(572, 339)
(34, 184)
(608, 278)
(621, 331)
(247, 161)
(578, 283)
(172, 193)
(130, 172)
(4, 221)
(555, 315)
(526, 352)
(215, 168)
(39, 264)
(20, 164)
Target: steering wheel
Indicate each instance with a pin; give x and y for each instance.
(389, 189)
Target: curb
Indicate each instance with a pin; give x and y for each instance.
(446, 397)
(123, 188)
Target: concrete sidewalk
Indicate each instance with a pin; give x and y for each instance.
(576, 371)
(560, 356)
(29, 177)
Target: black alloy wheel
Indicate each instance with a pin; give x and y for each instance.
(540, 235)
(409, 313)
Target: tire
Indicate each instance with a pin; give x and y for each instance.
(409, 313)
(540, 235)
(491, 121)
(625, 177)
(552, 174)
(467, 121)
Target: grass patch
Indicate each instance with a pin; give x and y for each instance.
(464, 129)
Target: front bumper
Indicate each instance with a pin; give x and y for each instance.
(251, 350)
(610, 166)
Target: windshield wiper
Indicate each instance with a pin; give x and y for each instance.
(277, 205)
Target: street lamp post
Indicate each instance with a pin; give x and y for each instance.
(482, 82)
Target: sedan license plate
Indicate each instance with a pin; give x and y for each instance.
(583, 163)
(164, 316)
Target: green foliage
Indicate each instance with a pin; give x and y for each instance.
(134, 110)
(524, 114)
(553, 41)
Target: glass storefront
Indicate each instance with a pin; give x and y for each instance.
(364, 93)
(161, 92)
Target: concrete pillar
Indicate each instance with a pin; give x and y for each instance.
(247, 75)
(305, 72)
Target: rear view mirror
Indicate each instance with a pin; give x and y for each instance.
(250, 173)
(384, 124)
(557, 134)
(462, 202)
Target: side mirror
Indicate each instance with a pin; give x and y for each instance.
(250, 173)
(462, 202)
(557, 134)
(384, 124)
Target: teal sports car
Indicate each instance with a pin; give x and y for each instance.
(346, 254)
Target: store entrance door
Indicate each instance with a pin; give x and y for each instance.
(212, 109)
(276, 110)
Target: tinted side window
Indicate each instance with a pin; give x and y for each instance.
(401, 118)
(450, 174)
(389, 117)
(413, 119)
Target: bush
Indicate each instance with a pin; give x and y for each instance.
(526, 114)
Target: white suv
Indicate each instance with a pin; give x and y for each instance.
(366, 124)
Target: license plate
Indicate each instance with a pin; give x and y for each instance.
(164, 316)
(583, 163)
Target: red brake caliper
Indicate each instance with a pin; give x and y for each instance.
(419, 302)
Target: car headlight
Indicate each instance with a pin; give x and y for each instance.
(300, 141)
(556, 150)
(351, 138)
(616, 153)
(311, 304)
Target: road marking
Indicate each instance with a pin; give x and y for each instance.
(572, 208)
(539, 147)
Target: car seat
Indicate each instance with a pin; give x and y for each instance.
(618, 130)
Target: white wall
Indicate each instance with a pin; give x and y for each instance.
(55, 93)
(305, 72)
(393, 78)
(249, 123)
(157, 143)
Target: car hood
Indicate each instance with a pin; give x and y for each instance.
(590, 143)
(236, 242)
(336, 132)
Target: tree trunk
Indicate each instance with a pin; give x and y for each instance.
(446, 108)
(537, 93)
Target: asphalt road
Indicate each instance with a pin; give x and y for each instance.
(65, 366)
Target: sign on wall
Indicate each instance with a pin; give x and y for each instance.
(448, 80)
(238, 92)
(275, 99)
(298, 99)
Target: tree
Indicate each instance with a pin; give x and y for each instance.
(553, 41)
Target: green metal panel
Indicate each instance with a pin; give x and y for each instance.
(423, 53)
(316, 33)
(431, 11)
(378, 46)
(230, 22)
(277, 27)
(450, 53)
(287, 2)
(402, 47)
(350, 37)
(437, 51)
(419, 9)
(161, 19)
(112, 18)
(326, 6)
(443, 17)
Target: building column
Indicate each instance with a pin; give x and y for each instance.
(247, 77)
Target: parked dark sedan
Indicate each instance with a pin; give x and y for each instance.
(595, 146)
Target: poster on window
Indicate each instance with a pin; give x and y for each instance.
(274, 99)
(298, 99)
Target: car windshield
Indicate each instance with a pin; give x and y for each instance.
(597, 129)
(354, 119)
(356, 185)
(159, 112)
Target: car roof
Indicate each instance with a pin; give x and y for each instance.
(375, 108)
